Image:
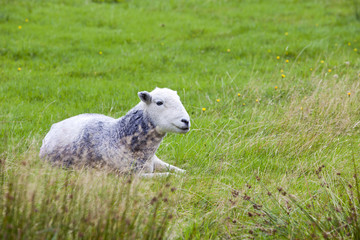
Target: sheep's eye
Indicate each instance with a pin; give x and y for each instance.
(159, 103)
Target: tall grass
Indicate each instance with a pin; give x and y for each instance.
(60, 203)
(315, 198)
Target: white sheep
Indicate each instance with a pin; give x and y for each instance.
(127, 144)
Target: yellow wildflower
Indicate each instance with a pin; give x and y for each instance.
(311, 69)
(257, 100)
(349, 94)
(100, 52)
(26, 20)
(281, 71)
(329, 70)
(203, 109)
(287, 60)
(301, 108)
(278, 57)
(228, 50)
(19, 69)
(286, 33)
(239, 94)
(355, 49)
(218, 100)
(243, 104)
(283, 75)
(349, 43)
(20, 27)
(276, 87)
(322, 61)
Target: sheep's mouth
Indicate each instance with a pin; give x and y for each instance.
(185, 129)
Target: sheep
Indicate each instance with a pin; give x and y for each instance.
(127, 144)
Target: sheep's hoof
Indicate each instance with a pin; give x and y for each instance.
(182, 171)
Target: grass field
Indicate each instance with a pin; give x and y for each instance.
(272, 89)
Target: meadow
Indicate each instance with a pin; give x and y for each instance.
(272, 89)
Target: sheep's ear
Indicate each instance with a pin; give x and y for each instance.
(145, 97)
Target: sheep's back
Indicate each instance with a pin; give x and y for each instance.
(76, 138)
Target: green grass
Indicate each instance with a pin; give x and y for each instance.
(254, 168)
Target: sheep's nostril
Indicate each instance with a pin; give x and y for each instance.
(185, 121)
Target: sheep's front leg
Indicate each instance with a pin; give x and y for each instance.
(151, 175)
(160, 165)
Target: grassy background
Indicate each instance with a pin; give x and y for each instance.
(275, 162)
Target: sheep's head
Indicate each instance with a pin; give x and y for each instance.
(165, 109)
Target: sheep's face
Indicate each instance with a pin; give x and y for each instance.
(166, 111)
